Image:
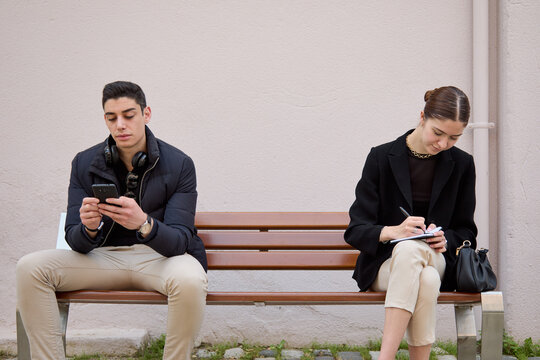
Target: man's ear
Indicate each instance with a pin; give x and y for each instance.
(147, 114)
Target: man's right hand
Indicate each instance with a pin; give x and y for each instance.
(90, 216)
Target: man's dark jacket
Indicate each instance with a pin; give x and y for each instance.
(167, 193)
(385, 186)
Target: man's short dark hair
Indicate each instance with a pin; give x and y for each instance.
(127, 89)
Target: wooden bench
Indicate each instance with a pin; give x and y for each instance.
(293, 241)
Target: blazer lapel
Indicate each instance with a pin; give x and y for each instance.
(399, 163)
(443, 170)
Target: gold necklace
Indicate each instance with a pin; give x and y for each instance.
(414, 153)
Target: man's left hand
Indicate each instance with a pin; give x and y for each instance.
(124, 211)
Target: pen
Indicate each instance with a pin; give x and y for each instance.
(438, 228)
(404, 211)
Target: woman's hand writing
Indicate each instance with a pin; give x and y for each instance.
(412, 225)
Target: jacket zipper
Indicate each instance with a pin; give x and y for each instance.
(140, 199)
(142, 180)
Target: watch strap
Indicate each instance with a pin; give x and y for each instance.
(96, 229)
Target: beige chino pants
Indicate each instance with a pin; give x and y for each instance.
(411, 279)
(137, 267)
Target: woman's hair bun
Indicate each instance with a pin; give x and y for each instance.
(447, 102)
(428, 94)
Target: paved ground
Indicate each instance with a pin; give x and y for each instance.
(296, 354)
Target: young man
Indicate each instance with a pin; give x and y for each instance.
(145, 239)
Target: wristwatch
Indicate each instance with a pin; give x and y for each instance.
(145, 228)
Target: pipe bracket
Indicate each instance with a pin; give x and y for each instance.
(481, 125)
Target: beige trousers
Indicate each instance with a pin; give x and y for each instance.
(137, 267)
(411, 279)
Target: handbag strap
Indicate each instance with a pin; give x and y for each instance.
(466, 243)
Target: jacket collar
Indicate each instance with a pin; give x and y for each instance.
(151, 146)
(397, 156)
(99, 166)
(399, 163)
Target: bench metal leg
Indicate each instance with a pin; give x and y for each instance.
(23, 345)
(64, 312)
(492, 325)
(466, 332)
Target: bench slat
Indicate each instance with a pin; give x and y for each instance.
(111, 296)
(281, 260)
(276, 298)
(270, 240)
(272, 220)
(245, 298)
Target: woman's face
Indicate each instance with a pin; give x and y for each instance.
(439, 135)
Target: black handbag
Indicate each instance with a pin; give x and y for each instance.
(473, 270)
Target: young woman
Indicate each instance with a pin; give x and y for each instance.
(409, 186)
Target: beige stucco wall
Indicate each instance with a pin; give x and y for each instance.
(278, 103)
(519, 165)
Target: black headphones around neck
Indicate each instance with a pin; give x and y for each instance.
(112, 157)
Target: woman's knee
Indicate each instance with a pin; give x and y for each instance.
(430, 280)
(406, 247)
(407, 252)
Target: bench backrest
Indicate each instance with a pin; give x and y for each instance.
(276, 240)
(270, 240)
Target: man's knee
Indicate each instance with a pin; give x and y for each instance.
(187, 276)
(27, 265)
(40, 265)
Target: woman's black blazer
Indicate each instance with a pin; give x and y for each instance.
(385, 186)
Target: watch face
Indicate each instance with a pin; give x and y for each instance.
(145, 228)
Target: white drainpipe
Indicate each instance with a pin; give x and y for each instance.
(480, 117)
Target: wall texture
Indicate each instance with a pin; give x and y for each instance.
(519, 162)
(278, 103)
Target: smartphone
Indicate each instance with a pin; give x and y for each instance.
(104, 191)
